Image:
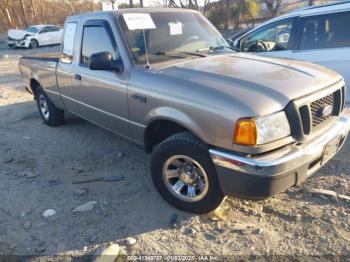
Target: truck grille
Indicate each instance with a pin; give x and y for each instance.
(305, 116)
(317, 107)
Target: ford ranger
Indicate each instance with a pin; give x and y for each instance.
(217, 122)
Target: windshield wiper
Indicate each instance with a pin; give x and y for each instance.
(213, 48)
(172, 53)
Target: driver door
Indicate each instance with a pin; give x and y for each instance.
(101, 94)
(275, 39)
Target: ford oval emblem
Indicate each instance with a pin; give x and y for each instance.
(325, 110)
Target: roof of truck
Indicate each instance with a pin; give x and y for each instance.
(135, 10)
(152, 10)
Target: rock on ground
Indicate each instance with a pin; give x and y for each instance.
(109, 254)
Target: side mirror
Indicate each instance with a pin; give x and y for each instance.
(233, 44)
(104, 61)
(230, 42)
(237, 45)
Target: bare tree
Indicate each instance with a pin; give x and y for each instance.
(23, 12)
(206, 6)
(273, 6)
(34, 13)
(42, 7)
(227, 12)
(8, 16)
(71, 6)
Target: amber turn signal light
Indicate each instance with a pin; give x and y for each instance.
(245, 132)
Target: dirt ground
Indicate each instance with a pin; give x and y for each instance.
(38, 165)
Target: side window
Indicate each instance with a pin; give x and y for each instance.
(325, 31)
(44, 30)
(273, 37)
(53, 28)
(95, 40)
(68, 42)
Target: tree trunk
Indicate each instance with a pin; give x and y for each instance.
(227, 13)
(131, 3)
(71, 5)
(42, 6)
(9, 16)
(23, 13)
(311, 2)
(34, 13)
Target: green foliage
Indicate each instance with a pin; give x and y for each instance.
(241, 11)
(247, 9)
(244, 11)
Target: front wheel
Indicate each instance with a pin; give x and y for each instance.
(33, 44)
(185, 175)
(51, 115)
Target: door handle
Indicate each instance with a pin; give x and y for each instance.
(77, 77)
(141, 99)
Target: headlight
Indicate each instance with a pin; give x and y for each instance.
(262, 130)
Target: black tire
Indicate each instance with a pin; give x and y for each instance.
(33, 44)
(55, 116)
(186, 144)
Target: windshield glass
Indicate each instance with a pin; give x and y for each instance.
(32, 29)
(177, 35)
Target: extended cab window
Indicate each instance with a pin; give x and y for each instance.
(95, 40)
(325, 31)
(68, 42)
(273, 37)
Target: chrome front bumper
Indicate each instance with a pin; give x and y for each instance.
(288, 158)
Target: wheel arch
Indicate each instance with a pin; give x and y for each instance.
(34, 39)
(34, 85)
(166, 122)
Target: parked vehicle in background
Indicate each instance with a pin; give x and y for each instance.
(216, 121)
(318, 34)
(238, 34)
(35, 36)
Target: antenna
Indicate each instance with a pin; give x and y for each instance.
(148, 65)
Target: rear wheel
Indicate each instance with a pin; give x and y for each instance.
(51, 115)
(185, 175)
(33, 44)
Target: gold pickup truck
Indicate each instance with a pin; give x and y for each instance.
(216, 121)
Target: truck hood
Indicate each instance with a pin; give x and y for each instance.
(264, 84)
(18, 34)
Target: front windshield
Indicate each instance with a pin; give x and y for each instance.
(32, 29)
(177, 35)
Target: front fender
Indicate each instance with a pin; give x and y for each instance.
(178, 117)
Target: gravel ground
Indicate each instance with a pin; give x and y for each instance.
(38, 165)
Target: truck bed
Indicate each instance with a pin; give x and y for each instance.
(49, 57)
(41, 69)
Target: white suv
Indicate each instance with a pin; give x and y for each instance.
(319, 34)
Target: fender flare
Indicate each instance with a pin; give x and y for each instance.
(178, 117)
